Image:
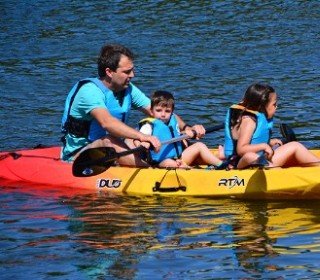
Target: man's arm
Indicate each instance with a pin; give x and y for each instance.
(146, 111)
(120, 129)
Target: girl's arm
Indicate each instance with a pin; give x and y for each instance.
(246, 130)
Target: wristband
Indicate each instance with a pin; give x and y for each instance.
(185, 126)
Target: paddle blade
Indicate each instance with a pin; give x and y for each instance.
(94, 161)
(287, 132)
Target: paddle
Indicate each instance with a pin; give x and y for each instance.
(96, 160)
(288, 133)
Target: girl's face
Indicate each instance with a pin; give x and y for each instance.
(162, 113)
(271, 106)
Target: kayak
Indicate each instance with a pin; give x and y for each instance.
(42, 168)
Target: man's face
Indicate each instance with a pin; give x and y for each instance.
(121, 78)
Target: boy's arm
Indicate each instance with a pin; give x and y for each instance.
(189, 130)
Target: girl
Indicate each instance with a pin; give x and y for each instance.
(248, 132)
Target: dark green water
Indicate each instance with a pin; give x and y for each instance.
(207, 53)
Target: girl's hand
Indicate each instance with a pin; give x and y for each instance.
(268, 151)
(275, 142)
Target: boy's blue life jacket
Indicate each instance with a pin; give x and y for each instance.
(165, 132)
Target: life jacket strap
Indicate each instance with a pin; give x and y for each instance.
(77, 127)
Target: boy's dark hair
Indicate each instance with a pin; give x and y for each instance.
(162, 98)
(110, 56)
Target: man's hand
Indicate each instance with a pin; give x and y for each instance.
(154, 141)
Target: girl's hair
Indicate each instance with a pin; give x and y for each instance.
(255, 98)
(162, 98)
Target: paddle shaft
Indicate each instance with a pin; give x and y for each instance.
(173, 140)
(86, 164)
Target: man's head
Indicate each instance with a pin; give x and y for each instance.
(115, 65)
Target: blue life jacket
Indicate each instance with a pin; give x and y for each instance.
(165, 132)
(91, 129)
(262, 133)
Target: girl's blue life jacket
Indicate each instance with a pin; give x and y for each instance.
(262, 133)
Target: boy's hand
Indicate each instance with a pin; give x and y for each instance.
(197, 131)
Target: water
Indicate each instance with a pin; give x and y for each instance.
(207, 53)
(99, 237)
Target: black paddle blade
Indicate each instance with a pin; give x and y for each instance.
(287, 133)
(94, 161)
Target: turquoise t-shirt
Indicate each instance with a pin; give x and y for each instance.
(90, 97)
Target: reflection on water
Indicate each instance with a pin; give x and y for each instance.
(135, 237)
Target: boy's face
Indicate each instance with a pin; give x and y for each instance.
(162, 113)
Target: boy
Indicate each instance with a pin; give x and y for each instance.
(164, 126)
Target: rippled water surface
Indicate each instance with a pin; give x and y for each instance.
(207, 53)
(103, 237)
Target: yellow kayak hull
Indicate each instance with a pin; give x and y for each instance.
(42, 168)
(252, 183)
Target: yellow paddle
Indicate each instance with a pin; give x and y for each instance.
(96, 160)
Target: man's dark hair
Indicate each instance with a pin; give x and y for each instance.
(110, 56)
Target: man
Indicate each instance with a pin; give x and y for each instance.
(97, 110)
